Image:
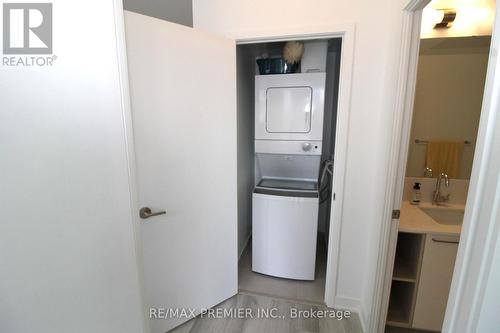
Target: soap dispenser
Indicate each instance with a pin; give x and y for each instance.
(416, 195)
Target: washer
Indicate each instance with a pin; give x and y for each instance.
(285, 223)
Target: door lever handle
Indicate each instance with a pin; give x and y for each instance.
(145, 212)
(444, 241)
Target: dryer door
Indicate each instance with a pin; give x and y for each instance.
(289, 107)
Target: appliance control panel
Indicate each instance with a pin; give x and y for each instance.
(307, 146)
(311, 147)
(288, 147)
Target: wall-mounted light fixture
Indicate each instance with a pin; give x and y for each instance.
(449, 16)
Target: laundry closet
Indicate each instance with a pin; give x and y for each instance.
(287, 108)
(234, 156)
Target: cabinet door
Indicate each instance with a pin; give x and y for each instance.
(435, 281)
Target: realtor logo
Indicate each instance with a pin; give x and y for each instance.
(27, 28)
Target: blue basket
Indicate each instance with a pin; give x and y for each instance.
(276, 66)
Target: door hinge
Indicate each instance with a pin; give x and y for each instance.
(396, 213)
(333, 195)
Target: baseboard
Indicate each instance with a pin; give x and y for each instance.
(353, 305)
(244, 246)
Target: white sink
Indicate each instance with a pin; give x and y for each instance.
(445, 216)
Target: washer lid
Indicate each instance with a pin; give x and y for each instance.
(288, 184)
(286, 193)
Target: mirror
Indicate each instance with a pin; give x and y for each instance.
(448, 97)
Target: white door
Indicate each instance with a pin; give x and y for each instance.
(183, 94)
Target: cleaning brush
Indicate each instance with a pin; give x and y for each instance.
(292, 52)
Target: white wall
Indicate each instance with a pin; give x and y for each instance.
(377, 45)
(489, 320)
(473, 300)
(245, 62)
(177, 11)
(67, 250)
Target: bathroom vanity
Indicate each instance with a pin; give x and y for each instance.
(423, 265)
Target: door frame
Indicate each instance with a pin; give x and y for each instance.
(347, 33)
(119, 22)
(464, 301)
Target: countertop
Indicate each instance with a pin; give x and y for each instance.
(413, 219)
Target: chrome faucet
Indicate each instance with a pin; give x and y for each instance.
(439, 198)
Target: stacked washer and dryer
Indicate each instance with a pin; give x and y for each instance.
(289, 111)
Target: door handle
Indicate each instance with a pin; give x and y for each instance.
(145, 212)
(444, 241)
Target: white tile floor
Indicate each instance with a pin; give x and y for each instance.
(258, 291)
(286, 324)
